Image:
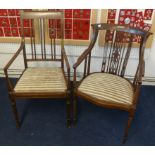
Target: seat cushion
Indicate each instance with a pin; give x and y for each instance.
(41, 80)
(107, 87)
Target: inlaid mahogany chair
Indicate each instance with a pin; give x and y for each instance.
(108, 87)
(42, 41)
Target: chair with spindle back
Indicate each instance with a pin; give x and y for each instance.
(108, 86)
(42, 41)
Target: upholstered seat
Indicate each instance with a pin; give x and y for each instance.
(41, 80)
(107, 87)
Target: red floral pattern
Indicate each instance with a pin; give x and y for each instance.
(77, 24)
(136, 19)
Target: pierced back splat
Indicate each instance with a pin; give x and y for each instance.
(118, 44)
(116, 52)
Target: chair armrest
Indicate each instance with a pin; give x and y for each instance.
(14, 56)
(86, 56)
(88, 50)
(81, 58)
(10, 87)
(65, 59)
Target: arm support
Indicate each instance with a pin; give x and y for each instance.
(86, 56)
(14, 56)
(81, 58)
(9, 64)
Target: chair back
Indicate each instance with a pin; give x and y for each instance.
(43, 30)
(118, 41)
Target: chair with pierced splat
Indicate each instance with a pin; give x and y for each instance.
(108, 86)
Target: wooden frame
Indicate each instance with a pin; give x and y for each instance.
(63, 61)
(66, 41)
(103, 19)
(114, 63)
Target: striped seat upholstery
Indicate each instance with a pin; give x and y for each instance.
(107, 87)
(41, 80)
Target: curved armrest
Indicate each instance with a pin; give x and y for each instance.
(81, 58)
(10, 87)
(88, 50)
(86, 55)
(14, 56)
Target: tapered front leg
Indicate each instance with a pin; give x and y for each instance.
(130, 118)
(68, 110)
(74, 109)
(15, 112)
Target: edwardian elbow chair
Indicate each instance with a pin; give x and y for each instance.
(108, 87)
(46, 29)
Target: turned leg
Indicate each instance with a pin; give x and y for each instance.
(14, 109)
(130, 118)
(68, 111)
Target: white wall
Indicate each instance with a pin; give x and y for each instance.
(8, 49)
